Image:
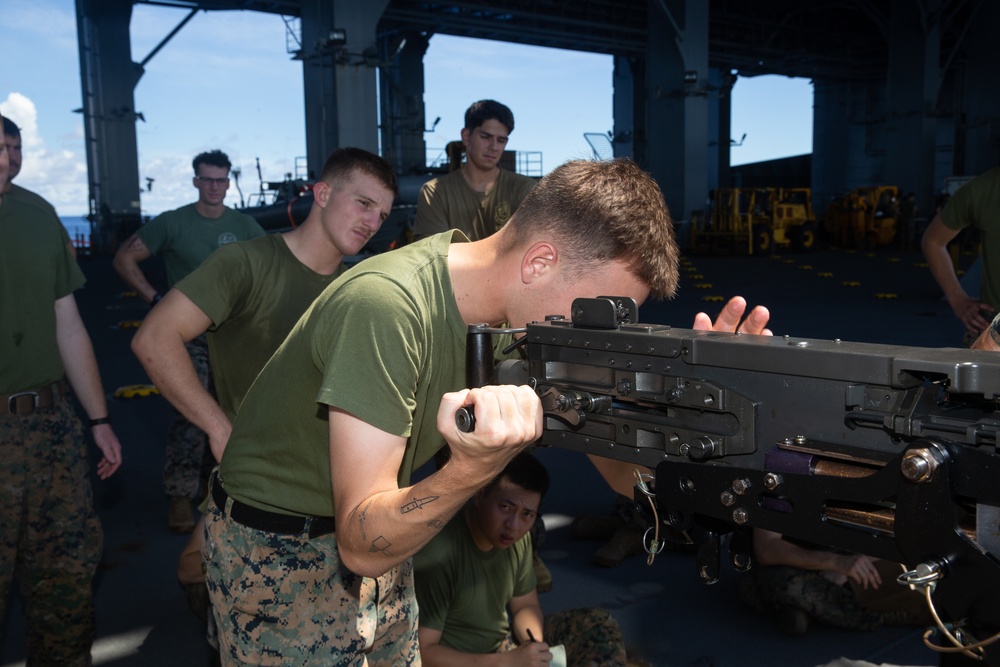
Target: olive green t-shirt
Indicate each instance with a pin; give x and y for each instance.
(447, 202)
(18, 193)
(463, 591)
(384, 342)
(254, 292)
(36, 269)
(977, 204)
(185, 237)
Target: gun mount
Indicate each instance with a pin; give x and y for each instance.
(878, 449)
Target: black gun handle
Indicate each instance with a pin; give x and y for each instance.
(465, 420)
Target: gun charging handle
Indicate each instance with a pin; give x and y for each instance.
(479, 370)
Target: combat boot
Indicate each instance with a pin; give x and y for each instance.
(626, 541)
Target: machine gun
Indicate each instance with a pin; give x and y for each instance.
(884, 450)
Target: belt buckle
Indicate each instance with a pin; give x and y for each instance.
(12, 399)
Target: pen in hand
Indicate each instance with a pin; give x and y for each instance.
(531, 637)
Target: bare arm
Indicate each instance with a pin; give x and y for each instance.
(159, 346)
(435, 654)
(527, 620)
(126, 263)
(771, 549)
(935, 247)
(77, 354)
(380, 525)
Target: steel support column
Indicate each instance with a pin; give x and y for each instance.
(402, 101)
(913, 79)
(108, 79)
(339, 60)
(677, 102)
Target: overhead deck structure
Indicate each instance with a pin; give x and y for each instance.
(902, 87)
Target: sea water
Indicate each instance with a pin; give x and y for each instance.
(78, 228)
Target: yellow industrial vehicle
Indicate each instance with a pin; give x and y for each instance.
(756, 220)
(863, 218)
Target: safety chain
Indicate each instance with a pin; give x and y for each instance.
(642, 481)
(924, 579)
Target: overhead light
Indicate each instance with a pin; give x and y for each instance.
(336, 37)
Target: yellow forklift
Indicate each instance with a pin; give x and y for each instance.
(756, 221)
(863, 218)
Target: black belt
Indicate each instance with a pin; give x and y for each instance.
(272, 522)
(26, 402)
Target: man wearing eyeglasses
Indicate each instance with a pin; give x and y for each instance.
(185, 237)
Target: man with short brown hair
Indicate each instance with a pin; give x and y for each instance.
(314, 484)
(185, 237)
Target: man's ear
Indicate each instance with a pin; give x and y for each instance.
(540, 259)
(466, 133)
(321, 193)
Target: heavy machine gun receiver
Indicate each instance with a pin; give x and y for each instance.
(877, 449)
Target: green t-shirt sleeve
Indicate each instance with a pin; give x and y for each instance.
(432, 213)
(369, 348)
(219, 285)
(154, 233)
(69, 277)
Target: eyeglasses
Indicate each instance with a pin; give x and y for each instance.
(205, 180)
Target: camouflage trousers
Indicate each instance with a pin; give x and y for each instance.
(188, 456)
(287, 600)
(50, 536)
(770, 588)
(592, 637)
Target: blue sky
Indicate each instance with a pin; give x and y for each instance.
(226, 81)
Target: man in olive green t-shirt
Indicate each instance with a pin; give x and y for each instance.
(248, 296)
(479, 197)
(50, 534)
(186, 237)
(976, 204)
(314, 486)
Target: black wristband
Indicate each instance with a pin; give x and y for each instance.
(97, 422)
(156, 299)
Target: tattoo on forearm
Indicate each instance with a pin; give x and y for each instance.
(417, 503)
(362, 518)
(436, 523)
(381, 544)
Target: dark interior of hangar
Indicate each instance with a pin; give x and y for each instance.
(903, 90)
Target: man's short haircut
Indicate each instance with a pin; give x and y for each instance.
(214, 158)
(601, 211)
(485, 110)
(343, 162)
(10, 128)
(527, 472)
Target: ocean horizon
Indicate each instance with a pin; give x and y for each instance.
(78, 228)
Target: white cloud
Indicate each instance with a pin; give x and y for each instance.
(60, 174)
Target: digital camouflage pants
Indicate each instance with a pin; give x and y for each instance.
(50, 536)
(287, 600)
(188, 456)
(592, 637)
(770, 588)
